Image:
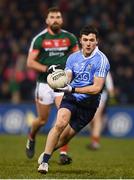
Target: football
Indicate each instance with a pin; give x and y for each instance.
(57, 79)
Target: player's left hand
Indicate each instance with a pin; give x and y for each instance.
(67, 89)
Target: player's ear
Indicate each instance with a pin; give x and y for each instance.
(97, 42)
(47, 21)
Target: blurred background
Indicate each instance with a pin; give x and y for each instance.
(21, 20)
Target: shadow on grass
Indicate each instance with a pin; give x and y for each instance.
(73, 171)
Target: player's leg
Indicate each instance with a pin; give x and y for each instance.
(96, 129)
(63, 158)
(97, 124)
(79, 119)
(76, 117)
(64, 138)
(43, 101)
(63, 117)
(43, 112)
(62, 121)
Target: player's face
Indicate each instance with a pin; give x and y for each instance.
(54, 21)
(88, 43)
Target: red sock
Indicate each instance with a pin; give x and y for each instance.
(64, 149)
(95, 139)
(31, 137)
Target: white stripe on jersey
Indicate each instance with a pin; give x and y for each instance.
(32, 43)
(103, 64)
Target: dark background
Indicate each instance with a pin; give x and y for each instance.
(21, 20)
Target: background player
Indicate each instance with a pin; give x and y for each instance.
(96, 125)
(50, 47)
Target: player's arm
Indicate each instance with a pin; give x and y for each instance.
(92, 89)
(69, 75)
(32, 61)
(75, 48)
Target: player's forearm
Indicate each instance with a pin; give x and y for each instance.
(93, 89)
(69, 75)
(37, 66)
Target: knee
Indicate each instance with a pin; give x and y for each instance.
(60, 125)
(62, 121)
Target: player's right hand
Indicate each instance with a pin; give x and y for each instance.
(66, 89)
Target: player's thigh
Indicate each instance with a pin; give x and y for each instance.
(43, 110)
(63, 117)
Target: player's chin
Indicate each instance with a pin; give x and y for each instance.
(88, 51)
(55, 27)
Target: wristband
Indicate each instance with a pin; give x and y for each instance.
(73, 90)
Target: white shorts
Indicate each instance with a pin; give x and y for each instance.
(45, 94)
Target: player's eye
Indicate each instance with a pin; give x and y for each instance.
(52, 17)
(85, 39)
(92, 40)
(58, 17)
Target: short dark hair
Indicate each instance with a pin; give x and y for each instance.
(89, 29)
(53, 9)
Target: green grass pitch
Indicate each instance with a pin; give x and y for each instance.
(115, 159)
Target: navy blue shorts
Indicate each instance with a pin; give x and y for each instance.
(80, 116)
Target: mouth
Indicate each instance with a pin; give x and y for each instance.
(55, 27)
(88, 49)
(55, 24)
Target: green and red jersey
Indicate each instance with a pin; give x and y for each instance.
(53, 49)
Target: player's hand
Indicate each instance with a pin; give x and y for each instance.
(52, 68)
(66, 89)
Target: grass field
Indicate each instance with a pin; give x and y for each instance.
(114, 160)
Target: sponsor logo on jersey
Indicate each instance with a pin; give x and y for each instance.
(52, 53)
(56, 43)
(81, 77)
(56, 49)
